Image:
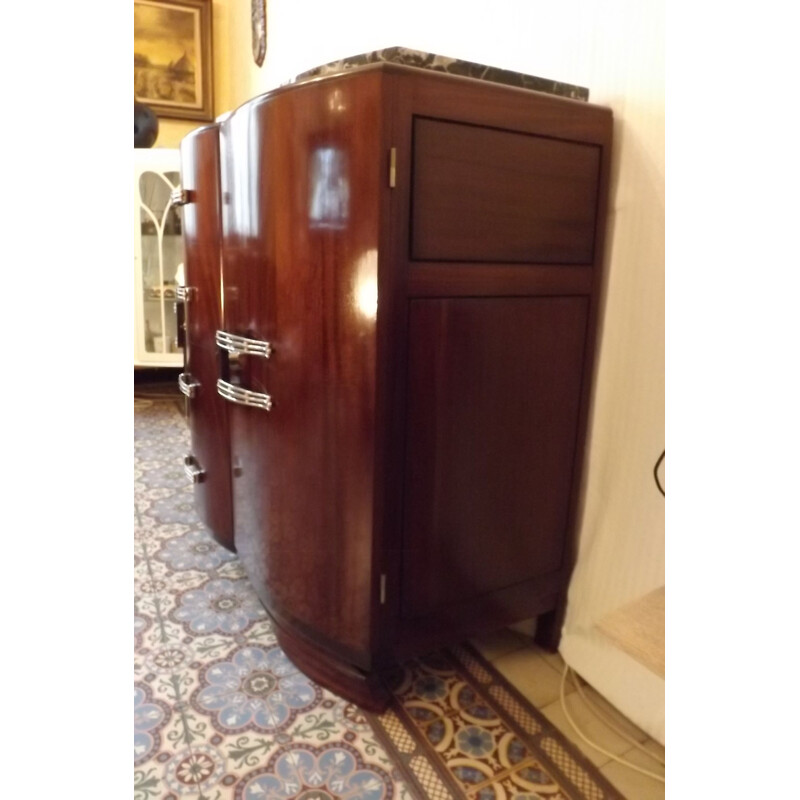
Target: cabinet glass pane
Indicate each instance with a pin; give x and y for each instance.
(162, 257)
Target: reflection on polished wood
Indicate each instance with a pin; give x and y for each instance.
(415, 478)
(298, 231)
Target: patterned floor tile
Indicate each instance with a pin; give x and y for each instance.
(220, 713)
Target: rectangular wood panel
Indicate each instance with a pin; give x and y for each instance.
(494, 390)
(488, 195)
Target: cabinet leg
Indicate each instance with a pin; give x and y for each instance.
(548, 628)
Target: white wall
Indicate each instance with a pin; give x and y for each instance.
(621, 555)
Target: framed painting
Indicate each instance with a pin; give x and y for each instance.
(172, 59)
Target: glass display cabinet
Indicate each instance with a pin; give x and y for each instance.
(158, 259)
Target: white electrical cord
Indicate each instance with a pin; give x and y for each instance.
(606, 720)
(596, 746)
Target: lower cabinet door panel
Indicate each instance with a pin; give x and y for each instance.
(494, 388)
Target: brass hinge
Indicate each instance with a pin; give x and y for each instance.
(392, 167)
(383, 589)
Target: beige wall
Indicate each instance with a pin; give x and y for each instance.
(235, 72)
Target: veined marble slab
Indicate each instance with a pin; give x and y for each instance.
(452, 66)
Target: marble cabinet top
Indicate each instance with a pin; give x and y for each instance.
(452, 66)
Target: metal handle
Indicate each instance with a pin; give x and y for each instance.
(244, 397)
(239, 344)
(187, 384)
(180, 196)
(192, 469)
(185, 293)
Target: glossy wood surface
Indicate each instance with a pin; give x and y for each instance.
(416, 479)
(208, 412)
(494, 387)
(407, 627)
(483, 194)
(301, 172)
(468, 279)
(364, 688)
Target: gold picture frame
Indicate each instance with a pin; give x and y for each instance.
(172, 58)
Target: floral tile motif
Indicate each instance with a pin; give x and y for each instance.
(255, 689)
(455, 715)
(317, 773)
(173, 508)
(195, 770)
(220, 713)
(220, 605)
(193, 550)
(149, 717)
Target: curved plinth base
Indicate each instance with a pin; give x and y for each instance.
(363, 689)
(219, 525)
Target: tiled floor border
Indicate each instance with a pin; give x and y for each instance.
(427, 772)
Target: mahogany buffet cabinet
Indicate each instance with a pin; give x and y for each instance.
(392, 278)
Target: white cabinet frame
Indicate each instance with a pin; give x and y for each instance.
(154, 273)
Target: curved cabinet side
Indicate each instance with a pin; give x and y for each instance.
(208, 412)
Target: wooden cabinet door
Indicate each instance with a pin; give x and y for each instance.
(302, 169)
(494, 388)
(498, 216)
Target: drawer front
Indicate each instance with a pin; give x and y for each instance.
(486, 195)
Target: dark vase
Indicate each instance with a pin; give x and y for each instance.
(145, 125)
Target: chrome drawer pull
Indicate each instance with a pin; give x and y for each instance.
(185, 293)
(192, 469)
(239, 344)
(179, 196)
(187, 384)
(244, 397)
